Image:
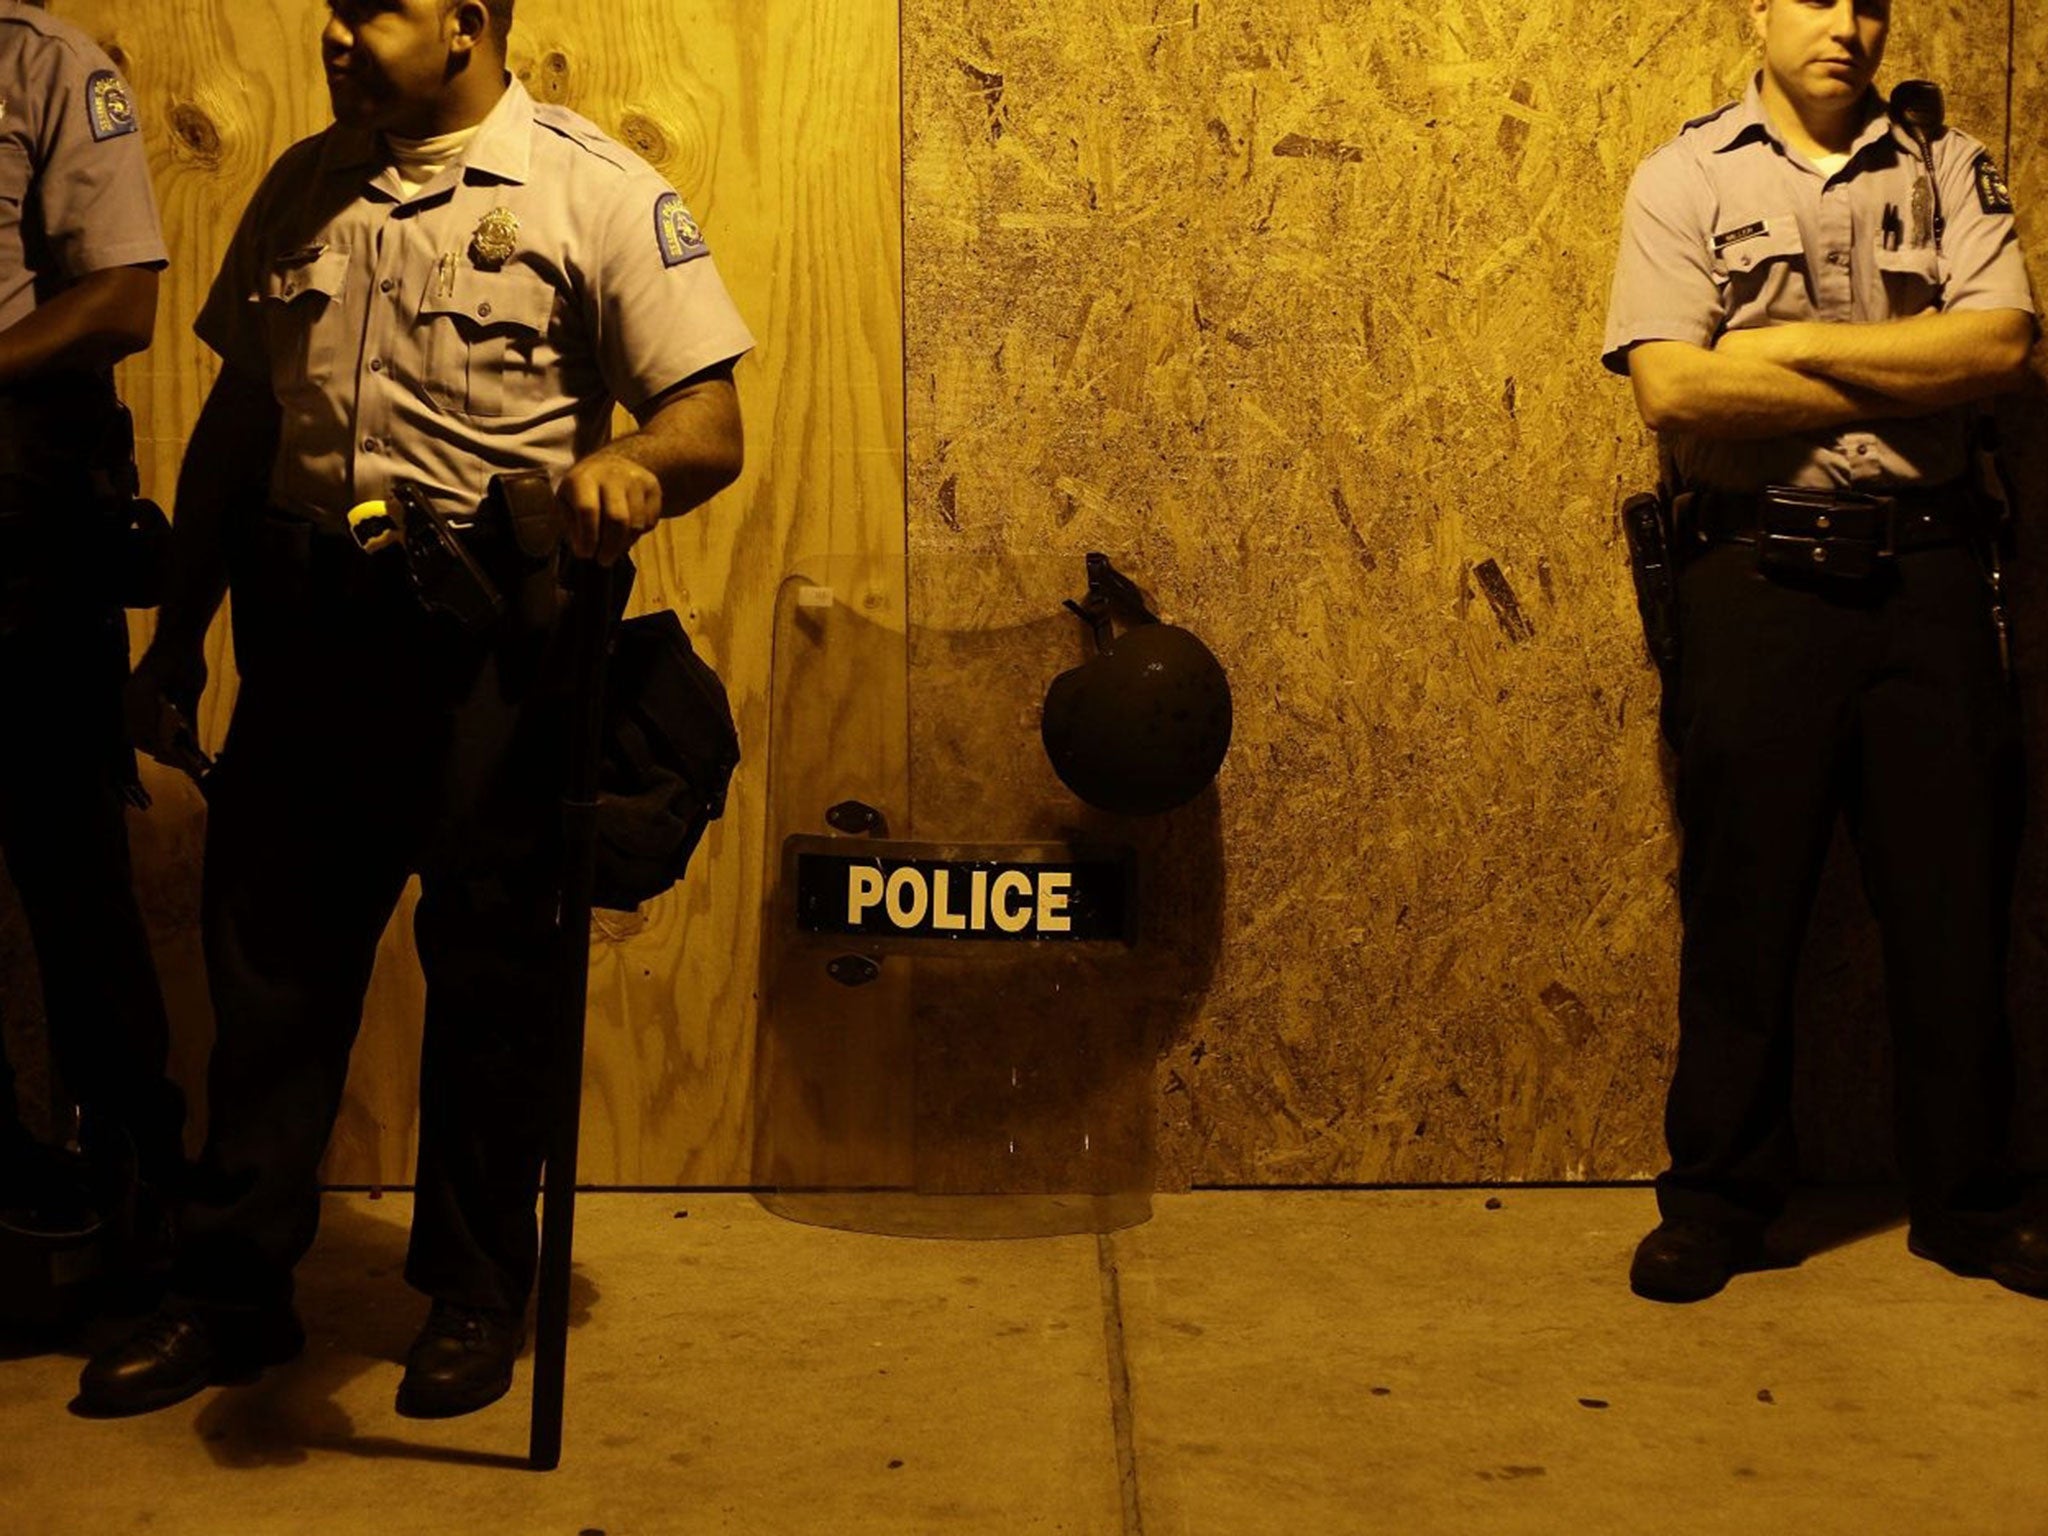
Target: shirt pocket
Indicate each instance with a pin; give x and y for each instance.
(15, 175)
(303, 321)
(1763, 275)
(14, 179)
(1912, 280)
(484, 341)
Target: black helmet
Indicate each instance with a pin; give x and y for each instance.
(1141, 727)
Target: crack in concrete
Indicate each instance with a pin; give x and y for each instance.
(1122, 1422)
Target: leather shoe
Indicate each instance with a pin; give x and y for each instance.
(1691, 1260)
(2011, 1250)
(461, 1361)
(180, 1349)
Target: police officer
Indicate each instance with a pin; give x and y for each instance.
(451, 282)
(1807, 302)
(80, 250)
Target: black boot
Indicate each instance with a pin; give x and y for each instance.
(461, 1361)
(180, 1349)
(1691, 1260)
(2010, 1248)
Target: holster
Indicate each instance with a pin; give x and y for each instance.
(141, 534)
(72, 525)
(447, 578)
(1649, 523)
(495, 575)
(532, 573)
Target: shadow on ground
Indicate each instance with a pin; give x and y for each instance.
(1820, 1219)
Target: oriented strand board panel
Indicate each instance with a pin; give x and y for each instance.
(778, 120)
(1295, 309)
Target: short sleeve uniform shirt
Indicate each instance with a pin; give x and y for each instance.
(1727, 227)
(484, 324)
(74, 181)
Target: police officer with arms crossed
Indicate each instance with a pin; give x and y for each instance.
(451, 282)
(80, 250)
(1807, 303)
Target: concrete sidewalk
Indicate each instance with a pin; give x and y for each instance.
(1413, 1362)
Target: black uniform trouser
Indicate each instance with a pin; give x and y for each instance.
(64, 833)
(370, 742)
(1885, 705)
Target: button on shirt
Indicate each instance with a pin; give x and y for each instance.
(484, 324)
(74, 181)
(1727, 227)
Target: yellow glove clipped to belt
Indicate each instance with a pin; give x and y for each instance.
(373, 527)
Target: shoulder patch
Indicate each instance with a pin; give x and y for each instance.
(1993, 196)
(676, 232)
(108, 106)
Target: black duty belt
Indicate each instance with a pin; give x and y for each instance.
(1889, 522)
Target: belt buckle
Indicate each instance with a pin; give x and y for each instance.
(1884, 521)
(1797, 532)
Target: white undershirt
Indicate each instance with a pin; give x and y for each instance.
(1826, 164)
(419, 161)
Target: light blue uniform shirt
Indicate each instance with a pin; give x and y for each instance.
(74, 182)
(484, 324)
(1727, 227)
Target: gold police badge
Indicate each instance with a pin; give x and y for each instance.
(495, 239)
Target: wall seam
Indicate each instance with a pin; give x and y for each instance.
(2012, 48)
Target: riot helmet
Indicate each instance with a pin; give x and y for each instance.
(1142, 726)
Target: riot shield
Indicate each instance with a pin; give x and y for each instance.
(967, 975)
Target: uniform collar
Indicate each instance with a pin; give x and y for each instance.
(1747, 120)
(503, 146)
(501, 150)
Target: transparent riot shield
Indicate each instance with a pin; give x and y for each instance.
(968, 976)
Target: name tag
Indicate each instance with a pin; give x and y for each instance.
(1737, 236)
(996, 894)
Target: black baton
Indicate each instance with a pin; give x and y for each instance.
(586, 631)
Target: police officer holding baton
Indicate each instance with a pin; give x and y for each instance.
(452, 285)
(1811, 294)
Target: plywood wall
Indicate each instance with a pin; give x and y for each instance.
(777, 119)
(1296, 309)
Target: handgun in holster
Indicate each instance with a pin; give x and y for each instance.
(445, 575)
(497, 575)
(1649, 524)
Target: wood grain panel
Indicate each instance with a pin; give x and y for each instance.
(777, 119)
(778, 122)
(1296, 309)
